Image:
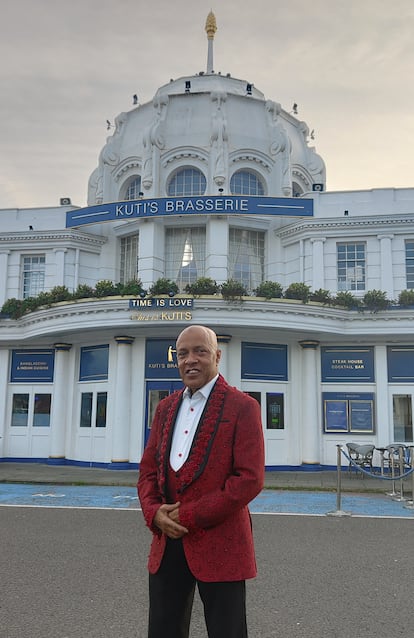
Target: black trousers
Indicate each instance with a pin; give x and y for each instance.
(171, 593)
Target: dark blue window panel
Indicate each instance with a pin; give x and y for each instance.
(347, 364)
(28, 366)
(400, 364)
(94, 363)
(267, 361)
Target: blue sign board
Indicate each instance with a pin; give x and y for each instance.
(160, 359)
(29, 366)
(343, 364)
(264, 361)
(400, 364)
(202, 205)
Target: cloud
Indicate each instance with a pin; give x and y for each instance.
(71, 66)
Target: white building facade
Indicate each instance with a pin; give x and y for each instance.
(209, 180)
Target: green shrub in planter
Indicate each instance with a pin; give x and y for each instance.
(376, 300)
(59, 293)
(202, 286)
(347, 299)
(132, 287)
(164, 287)
(269, 290)
(13, 308)
(105, 288)
(406, 298)
(83, 291)
(322, 296)
(44, 299)
(233, 289)
(298, 291)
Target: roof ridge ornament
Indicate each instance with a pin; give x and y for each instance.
(211, 28)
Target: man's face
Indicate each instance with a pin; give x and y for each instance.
(197, 357)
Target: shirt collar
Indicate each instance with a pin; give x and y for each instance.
(204, 391)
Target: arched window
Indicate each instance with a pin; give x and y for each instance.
(133, 189)
(246, 183)
(297, 191)
(187, 182)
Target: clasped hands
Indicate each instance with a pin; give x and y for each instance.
(167, 519)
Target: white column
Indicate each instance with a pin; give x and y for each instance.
(217, 249)
(60, 266)
(4, 260)
(386, 270)
(310, 425)
(223, 341)
(58, 414)
(318, 270)
(150, 251)
(4, 378)
(122, 413)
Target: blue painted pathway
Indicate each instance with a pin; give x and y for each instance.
(268, 501)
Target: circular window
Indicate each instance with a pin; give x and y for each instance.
(246, 183)
(187, 182)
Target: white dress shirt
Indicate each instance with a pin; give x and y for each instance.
(188, 416)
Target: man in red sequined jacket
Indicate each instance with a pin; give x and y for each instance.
(203, 464)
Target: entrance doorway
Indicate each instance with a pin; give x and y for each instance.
(402, 418)
(155, 391)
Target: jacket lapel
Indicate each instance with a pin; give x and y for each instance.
(203, 439)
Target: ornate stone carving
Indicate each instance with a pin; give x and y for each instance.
(153, 138)
(219, 139)
(280, 145)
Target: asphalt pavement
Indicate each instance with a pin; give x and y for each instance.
(71, 573)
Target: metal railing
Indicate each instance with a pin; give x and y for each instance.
(398, 463)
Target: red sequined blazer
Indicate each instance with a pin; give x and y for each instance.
(223, 472)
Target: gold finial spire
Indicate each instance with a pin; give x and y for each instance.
(211, 28)
(211, 25)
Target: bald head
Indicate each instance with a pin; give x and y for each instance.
(198, 356)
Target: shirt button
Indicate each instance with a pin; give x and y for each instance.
(180, 455)
(191, 409)
(185, 431)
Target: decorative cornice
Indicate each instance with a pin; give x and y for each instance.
(311, 322)
(52, 236)
(251, 156)
(300, 173)
(180, 155)
(346, 223)
(128, 164)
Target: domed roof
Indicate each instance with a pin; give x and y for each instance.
(215, 124)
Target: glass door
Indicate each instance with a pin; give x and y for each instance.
(402, 418)
(29, 431)
(157, 390)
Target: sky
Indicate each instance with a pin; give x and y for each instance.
(68, 67)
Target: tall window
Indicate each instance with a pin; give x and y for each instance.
(246, 256)
(33, 275)
(246, 183)
(185, 254)
(187, 182)
(351, 266)
(409, 263)
(129, 258)
(134, 189)
(93, 409)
